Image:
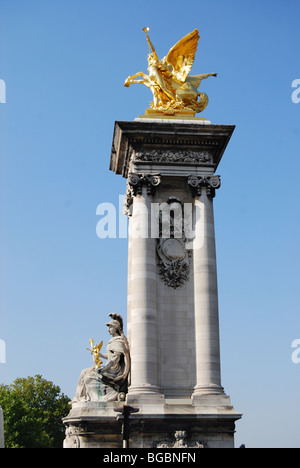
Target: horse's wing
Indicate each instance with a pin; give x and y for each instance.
(182, 55)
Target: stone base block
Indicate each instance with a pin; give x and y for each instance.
(178, 423)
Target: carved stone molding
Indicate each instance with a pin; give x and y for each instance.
(155, 141)
(173, 156)
(210, 182)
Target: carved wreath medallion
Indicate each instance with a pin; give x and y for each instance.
(173, 262)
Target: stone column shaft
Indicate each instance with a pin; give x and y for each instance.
(208, 375)
(142, 303)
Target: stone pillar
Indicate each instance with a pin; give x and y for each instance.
(1, 429)
(142, 297)
(172, 314)
(208, 373)
(172, 310)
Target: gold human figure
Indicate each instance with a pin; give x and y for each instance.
(174, 91)
(95, 350)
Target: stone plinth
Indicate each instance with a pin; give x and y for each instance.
(94, 425)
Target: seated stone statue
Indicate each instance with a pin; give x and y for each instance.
(108, 383)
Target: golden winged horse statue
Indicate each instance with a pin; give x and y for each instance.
(174, 91)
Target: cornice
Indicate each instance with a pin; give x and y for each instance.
(157, 139)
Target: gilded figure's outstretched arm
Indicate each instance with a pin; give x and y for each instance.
(204, 76)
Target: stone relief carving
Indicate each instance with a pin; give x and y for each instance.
(168, 156)
(173, 257)
(127, 207)
(173, 262)
(180, 442)
(72, 439)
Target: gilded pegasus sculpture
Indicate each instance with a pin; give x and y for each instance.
(174, 91)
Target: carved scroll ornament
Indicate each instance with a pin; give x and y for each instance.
(210, 182)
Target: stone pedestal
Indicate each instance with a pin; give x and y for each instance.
(172, 310)
(94, 425)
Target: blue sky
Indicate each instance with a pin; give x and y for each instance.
(64, 64)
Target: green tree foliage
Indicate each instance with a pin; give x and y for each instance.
(33, 409)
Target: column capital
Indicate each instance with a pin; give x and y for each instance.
(136, 182)
(210, 182)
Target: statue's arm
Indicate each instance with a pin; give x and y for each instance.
(115, 358)
(204, 76)
(104, 356)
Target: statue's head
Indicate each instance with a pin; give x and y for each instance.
(180, 435)
(116, 323)
(151, 59)
(163, 64)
